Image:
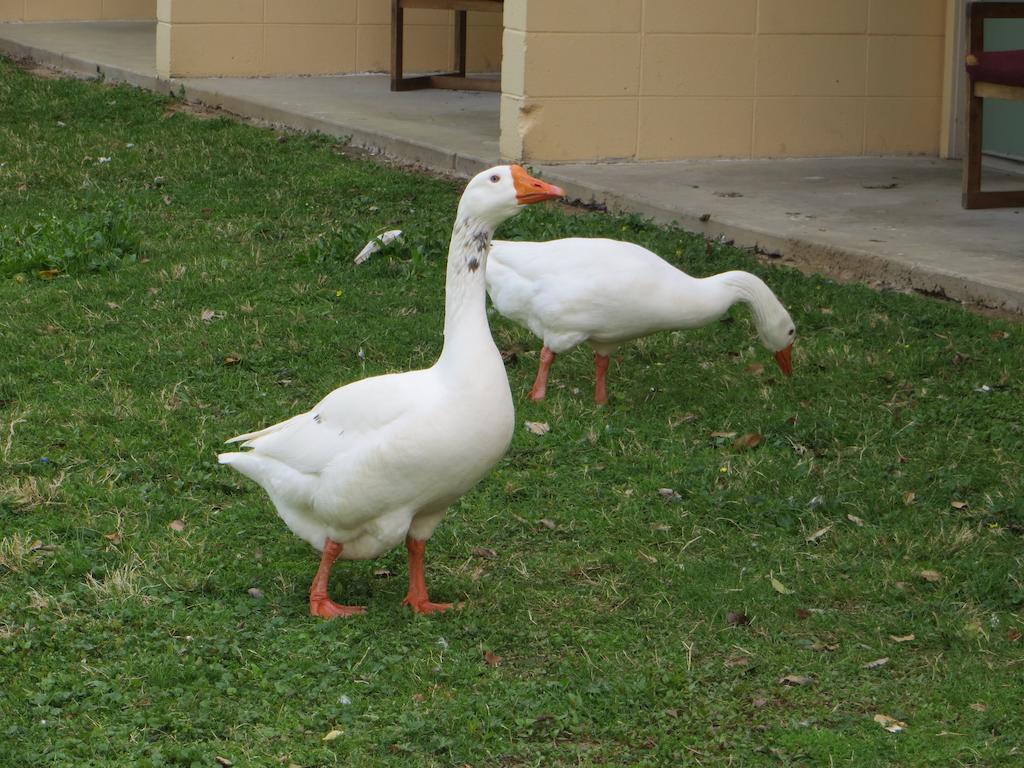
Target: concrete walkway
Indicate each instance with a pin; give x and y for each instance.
(887, 221)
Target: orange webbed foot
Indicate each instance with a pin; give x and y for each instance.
(328, 609)
(427, 607)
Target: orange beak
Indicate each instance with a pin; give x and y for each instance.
(530, 190)
(784, 357)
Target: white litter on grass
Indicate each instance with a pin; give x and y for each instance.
(376, 244)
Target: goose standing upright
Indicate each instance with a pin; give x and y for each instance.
(608, 292)
(381, 459)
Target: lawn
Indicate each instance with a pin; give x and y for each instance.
(638, 589)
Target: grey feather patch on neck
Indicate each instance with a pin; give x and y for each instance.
(482, 240)
(473, 264)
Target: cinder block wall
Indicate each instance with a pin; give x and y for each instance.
(673, 79)
(77, 10)
(314, 37)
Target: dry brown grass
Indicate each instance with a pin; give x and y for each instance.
(18, 552)
(25, 493)
(123, 583)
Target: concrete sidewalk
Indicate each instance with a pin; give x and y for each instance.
(887, 221)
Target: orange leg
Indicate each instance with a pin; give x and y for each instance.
(601, 371)
(540, 386)
(319, 603)
(417, 598)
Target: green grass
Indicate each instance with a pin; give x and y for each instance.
(125, 642)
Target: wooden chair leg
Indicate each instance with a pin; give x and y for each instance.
(972, 154)
(397, 19)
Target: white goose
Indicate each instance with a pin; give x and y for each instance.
(381, 459)
(607, 292)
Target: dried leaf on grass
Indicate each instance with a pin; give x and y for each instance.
(958, 504)
(686, 418)
(818, 534)
(492, 659)
(723, 434)
(747, 442)
(537, 427)
(796, 680)
(931, 576)
(891, 724)
(779, 587)
(332, 735)
(820, 646)
(737, 619)
(877, 663)
(486, 552)
(669, 494)
(177, 525)
(901, 638)
(855, 520)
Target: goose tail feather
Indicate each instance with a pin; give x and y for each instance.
(247, 439)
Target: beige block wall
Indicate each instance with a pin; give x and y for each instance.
(314, 37)
(674, 79)
(77, 10)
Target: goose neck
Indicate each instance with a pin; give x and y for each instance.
(466, 330)
(745, 288)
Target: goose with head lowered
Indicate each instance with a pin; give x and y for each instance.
(608, 292)
(380, 460)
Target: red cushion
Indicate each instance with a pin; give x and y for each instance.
(1002, 67)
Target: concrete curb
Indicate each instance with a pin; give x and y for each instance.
(80, 66)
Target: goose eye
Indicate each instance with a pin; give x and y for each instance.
(792, 331)
(495, 178)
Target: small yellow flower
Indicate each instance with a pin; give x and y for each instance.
(723, 469)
